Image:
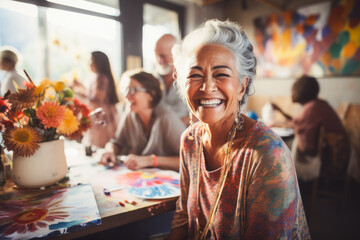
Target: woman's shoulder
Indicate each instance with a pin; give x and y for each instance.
(261, 137)
(266, 148)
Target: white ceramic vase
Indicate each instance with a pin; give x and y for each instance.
(46, 167)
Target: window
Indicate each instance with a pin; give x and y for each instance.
(57, 43)
(157, 21)
(73, 36)
(19, 28)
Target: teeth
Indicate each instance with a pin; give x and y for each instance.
(210, 102)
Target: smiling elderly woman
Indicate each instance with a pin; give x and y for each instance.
(237, 176)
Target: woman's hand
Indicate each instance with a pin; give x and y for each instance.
(108, 159)
(135, 162)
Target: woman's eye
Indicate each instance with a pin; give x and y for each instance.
(195, 75)
(222, 75)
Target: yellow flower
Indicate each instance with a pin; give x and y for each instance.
(70, 124)
(45, 83)
(39, 90)
(23, 141)
(59, 86)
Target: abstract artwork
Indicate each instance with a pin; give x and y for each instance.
(151, 184)
(320, 40)
(48, 213)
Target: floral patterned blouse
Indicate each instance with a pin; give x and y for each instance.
(261, 198)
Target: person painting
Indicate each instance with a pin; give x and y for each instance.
(165, 69)
(9, 59)
(101, 93)
(149, 134)
(316, 114)
(237, 177)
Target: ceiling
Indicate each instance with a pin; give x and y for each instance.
(276, 4)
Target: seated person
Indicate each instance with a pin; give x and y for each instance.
(316, 113)
(149, 133)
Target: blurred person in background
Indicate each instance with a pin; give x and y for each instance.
(100, 93)
(165, 71)
(316, 113)
(9, 58)
(149, 132)
(318, 123)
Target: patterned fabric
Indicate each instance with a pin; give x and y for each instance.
(261, 198)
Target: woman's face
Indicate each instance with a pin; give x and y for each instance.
(212, 86)
(92, 65)
(137, 97)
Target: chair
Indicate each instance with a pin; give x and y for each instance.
(350, 116)
(331, 186)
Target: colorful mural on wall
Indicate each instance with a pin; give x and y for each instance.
(320, 40)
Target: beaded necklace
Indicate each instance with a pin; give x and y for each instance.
(223, 175)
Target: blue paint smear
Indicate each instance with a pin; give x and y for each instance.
(152, 192)
(297, 18)
(308, 30)
(326, 31)
(65, 224)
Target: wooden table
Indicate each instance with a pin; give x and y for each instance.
(84, 169)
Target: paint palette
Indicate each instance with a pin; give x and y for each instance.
(152, 183)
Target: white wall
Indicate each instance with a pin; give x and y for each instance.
(195, 14)
(334, 89)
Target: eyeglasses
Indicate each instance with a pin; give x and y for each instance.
(133, 90)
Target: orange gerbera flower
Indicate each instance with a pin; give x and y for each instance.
(70, 124)
(50, 114)
(23, 141)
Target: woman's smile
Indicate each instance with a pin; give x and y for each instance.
(210, 102)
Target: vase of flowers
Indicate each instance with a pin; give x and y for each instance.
(32, 120)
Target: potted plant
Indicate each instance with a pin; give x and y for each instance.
(31, 122)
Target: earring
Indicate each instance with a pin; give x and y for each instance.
(191, 133)
(239, 120)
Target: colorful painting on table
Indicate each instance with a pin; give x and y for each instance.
(48, 213)
(152, 183)
(319, 40)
